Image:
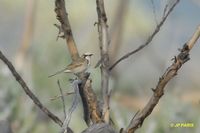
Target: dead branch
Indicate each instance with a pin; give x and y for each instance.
(92, 102)
(158, 92)
(73, 106)
(103, 44)
(84, 100)
(62, 16)
(89, 100)
(28, 91)
(149, 39)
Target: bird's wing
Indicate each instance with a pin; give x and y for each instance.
(69, 67)
(74, 65)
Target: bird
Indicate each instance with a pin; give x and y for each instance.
(78, 66)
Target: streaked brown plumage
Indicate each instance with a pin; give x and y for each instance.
(78, 66)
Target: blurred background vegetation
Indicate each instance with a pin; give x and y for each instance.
(28, 39)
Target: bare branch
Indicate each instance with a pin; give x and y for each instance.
(28, 91)
(103, 44)
(89, 100)
(149, 39)
(83, 94)
(158, 92)
(73, 106)
(92, 102)
(62, 16)
(165, 10)
(194, 38)
(62, 98)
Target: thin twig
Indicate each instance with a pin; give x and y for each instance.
(28, 91)
(73, 106)
(59, 96)
(149, 39)
(104, 45)
(158, 92)
(62, 98)
(165, 10)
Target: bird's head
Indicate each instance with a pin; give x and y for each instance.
(87, 55)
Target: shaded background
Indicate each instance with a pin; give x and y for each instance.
(28, 39)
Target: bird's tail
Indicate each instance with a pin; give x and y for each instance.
(58, 72)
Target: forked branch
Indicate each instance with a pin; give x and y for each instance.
(87, 98)
(158, 92)
(149, 39)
